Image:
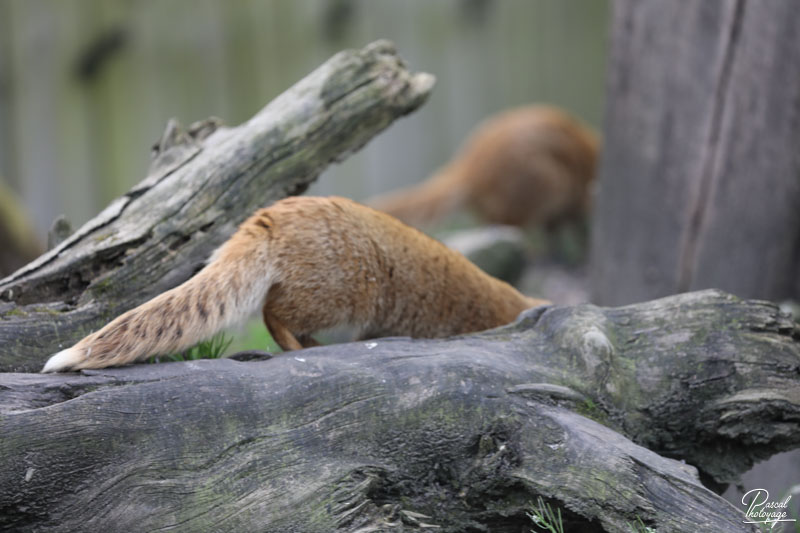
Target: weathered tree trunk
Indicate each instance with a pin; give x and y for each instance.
(700, 167)
(202, 184)
(699, 175)
(393, 434)
(388, 435)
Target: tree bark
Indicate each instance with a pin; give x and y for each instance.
(394, 434)
(203, 183)
(699, 174)
(700, 152)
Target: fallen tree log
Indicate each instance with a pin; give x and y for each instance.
(400, 435)
(204, 181)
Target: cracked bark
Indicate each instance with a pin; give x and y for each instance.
(203, 182)
(700, 150)
(402, 435)
(704, 183)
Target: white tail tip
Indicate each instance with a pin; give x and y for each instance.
(63, 361)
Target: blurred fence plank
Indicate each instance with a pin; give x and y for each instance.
(80, 142)
(699, 185)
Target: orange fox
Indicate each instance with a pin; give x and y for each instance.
(528, 166)
(310, 264)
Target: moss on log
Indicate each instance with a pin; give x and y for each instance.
(404, 435)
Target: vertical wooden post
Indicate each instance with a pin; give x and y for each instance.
(700, 179)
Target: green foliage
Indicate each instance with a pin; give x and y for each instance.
(640, 527)
(254, 336)
(544, 518)
(213, 348)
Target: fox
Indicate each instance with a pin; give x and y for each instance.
(310, 263)
(528, 166)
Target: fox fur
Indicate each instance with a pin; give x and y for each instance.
(530, 166)
(310, 264)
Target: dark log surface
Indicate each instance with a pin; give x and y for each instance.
(393, 434)
(573, 404)
(203, 183)
(700, 163)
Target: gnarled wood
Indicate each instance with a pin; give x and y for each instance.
(204, 181)
(392, 434)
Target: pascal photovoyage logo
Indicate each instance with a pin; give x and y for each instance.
(763, 511)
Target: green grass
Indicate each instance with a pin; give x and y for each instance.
(640, 527)
(544, 518)
(213, 348)
(254, 336)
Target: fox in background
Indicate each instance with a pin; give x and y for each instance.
(310, 263)
(315, 263)
(529, 166)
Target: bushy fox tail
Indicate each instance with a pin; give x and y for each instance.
(424, 204)
(215, 298)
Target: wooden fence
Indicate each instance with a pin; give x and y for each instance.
(87, 85)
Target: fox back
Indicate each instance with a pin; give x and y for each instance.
(528, 166)
(309, 264)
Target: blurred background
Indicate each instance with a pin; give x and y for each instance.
(86, 86)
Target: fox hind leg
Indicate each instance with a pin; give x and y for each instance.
(281, 334)
(308, 341)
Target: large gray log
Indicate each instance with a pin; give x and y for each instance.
(700, 168)
(203, 183)
(370, 436)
